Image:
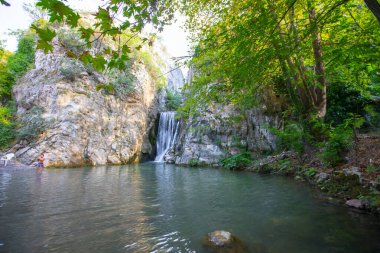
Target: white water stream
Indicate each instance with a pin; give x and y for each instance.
(167, 133)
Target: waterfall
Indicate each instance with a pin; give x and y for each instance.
(167, 133)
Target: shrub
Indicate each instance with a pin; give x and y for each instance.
(237, 161)
(344, 100)
(23, 58)
(173, 100)
(194, 162)
(7, 126)
(291, 137)
(340, 141)
(71, 68)
(32, 124)
(122, 81)
(372, 168)
(71, 41)
(310, 172)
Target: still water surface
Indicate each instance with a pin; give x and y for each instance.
(164, 208)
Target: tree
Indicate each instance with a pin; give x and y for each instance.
(374, 6)
(293, 48)
(130, 15)
(13, 66)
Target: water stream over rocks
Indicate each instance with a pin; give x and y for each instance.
(167, 133)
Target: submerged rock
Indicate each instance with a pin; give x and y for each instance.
(223, 242)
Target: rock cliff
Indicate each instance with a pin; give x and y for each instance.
(220, 131)
(80, 124)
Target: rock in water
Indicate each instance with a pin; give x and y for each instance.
(220, 238)
(223, 242)
(356, 203)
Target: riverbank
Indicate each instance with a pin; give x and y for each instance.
(355, 183)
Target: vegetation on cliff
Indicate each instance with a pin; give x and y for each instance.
(12, 67)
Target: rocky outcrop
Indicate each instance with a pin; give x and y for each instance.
(221, 131)
(82, 124)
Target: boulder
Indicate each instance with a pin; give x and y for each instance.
(322, 176)
(356, 203)
(223, 242)
(353, 171)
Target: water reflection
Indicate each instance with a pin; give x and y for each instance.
(164, 208)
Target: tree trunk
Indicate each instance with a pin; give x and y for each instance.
(320, 90)
(374, 6)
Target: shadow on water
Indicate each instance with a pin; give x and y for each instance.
(155, 207)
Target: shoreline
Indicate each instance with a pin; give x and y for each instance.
(347, 185)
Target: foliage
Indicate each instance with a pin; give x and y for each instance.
(31, 124)
(23, 58)
(237, 161)
(344, 100)
(13, 66)
(6, 80)
(158, 13)
(122, 81)
(71, 41)
(7, 125)
(344, 185)
(71, 68)
(107, 87)
(340, 141)
(310, 172)
(292, 137)
(372, 168)
(153, 68)
(173, 100)
(194, 162)
(297, 49)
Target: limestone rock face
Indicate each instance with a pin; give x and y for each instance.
(83, 125)
(219, 131)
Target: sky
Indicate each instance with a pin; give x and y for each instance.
(14, 17)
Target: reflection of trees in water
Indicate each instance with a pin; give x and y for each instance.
(100, 209)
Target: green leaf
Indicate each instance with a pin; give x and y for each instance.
(86, 33)
(45, 46)
(125, 49)
(99, 63)
(86, 57)
(45, 34)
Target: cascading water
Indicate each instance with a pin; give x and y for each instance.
(167, 133)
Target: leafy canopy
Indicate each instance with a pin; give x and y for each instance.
(111, 22)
